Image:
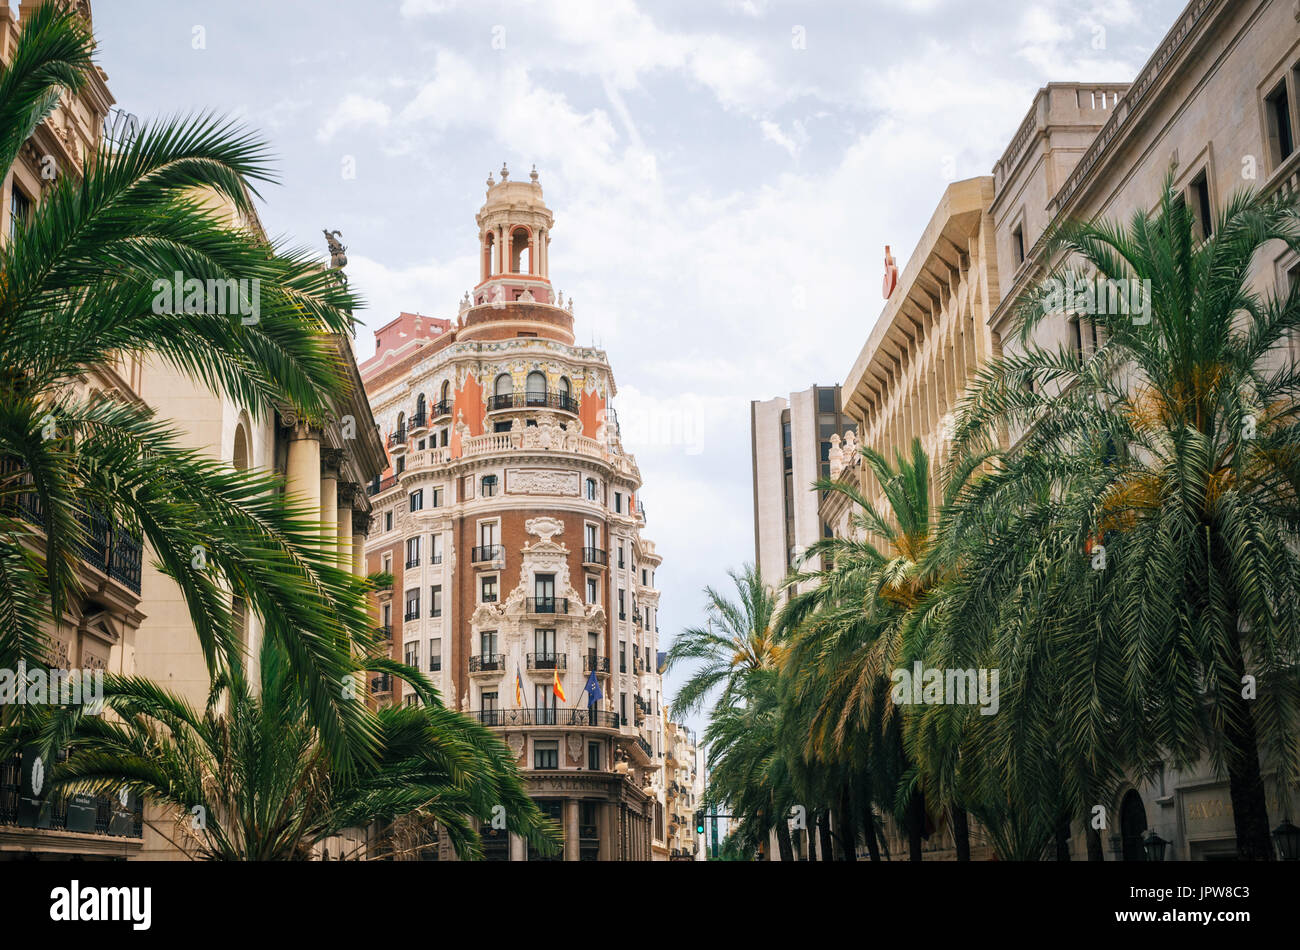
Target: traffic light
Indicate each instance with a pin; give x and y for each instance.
(699, 822)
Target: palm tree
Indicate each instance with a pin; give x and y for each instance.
(742, 644)
(748, 772)
(249, 778)
(1139, 543)
(77, 293)
(857, 621)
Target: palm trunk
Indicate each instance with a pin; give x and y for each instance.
(824, 833)
(848, 840)
(1063, 839)
(1246, 787)
(960, 832)
(783, 840)
(873, 843)
(1095, 852)
(810, 842)
(915, 825)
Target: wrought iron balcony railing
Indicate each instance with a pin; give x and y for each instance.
(599, 664)
(108, 547)
(487, 663)
(548, 661)
(597, 556)
(534, 400)
(441, 408)
(487, 552)
(547, 605)
(397, 437)
(418, 420)
(529, 716)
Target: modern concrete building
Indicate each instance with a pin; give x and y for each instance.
(510, 518)
(791, 440)
(1217, 101)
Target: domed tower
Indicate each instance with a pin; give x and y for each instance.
(514, 296)
(510, 519)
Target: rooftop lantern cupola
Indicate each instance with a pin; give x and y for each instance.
(514, 239)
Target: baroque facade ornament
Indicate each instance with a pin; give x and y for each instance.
(536, 481)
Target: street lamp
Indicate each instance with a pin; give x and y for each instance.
(1154, 846)
(1287, 837)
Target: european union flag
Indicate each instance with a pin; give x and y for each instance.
(593, 689)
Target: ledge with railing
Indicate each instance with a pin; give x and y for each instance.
(100, 815)
(533, 400)
(548, 661)
(595, 556)
(397, 437)
(546, 605)
(599, 664)
(109, 548)
(419, 420)
(485, 553)
(487, 663)
(529, 716)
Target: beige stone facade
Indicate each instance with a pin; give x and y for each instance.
(510, 519)
(1218, 100)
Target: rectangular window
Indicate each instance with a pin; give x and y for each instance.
(593, 591)
(413, 604)
(622, 611)
(1018, 244)
(618, 502)
(622, 709)
(1200, 198)
(544, 647)
(417, 499)
(20, 206)
(401, 464)
(593, 647)
(487, 641)
(593, 759)
(437, 498)
(435, 549)
(489, 485)
(501, 426)
(620, 554)
(591, 489)
(544, 704)
(388, 520)
(488, 589)
(487, 534)
(593, 535)
(413, 552)
(622, 656)
(388, 563)
(546, 755)
(388, 617)
(435, 654)
(487, 703)
(544, 593)
(1281, 134)
(412, 654)
(435, 600)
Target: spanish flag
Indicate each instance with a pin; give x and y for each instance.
(519, 688)
(556, 688)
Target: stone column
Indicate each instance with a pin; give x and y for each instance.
(331, 459)
(302, 479)
(502, 260)
(518, 848)
(571, 851)
(360, 527)
(343, 531)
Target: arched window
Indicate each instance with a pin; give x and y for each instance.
(444, 397)
(521, 252)
(566, 393)
(503, 392)
(419, 418)
(489, 256)
(536, 388)
(400, 431)
(1132, 822)
(239, 457)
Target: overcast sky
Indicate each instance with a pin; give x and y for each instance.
(724, 175)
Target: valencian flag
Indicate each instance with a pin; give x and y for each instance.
(556, 688)
(592, 689)
(519, 688)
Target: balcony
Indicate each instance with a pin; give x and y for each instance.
(381, 685)
(565, 718)
(595, 557)
(598, 664)
(384, 632)
(378, 486)
(412, 562)
(418, 424)
(435, 664)
(488, 555)
(548, 661)
(100, 815)
(546, 605)
(534, 400)
(108, 548)
(411, 615)
(487, 663)
(397, 442)
(442, 409)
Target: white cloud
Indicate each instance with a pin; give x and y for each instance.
(354, 110)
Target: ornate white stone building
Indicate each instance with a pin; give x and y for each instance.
(509, 518)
